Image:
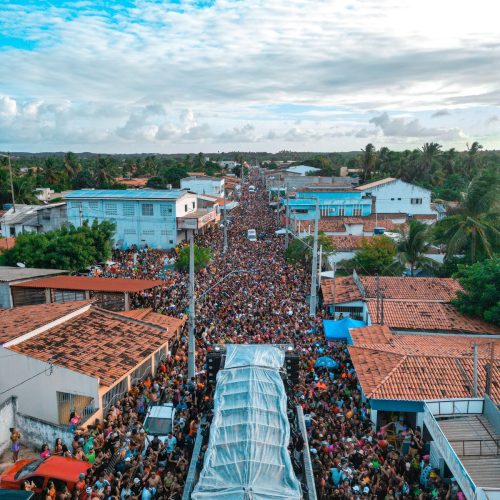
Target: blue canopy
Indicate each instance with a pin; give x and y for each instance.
(326, 362)
(339, 329)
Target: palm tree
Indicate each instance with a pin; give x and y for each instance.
(428, 154)
(413, 245)
(368, 161)
(474, 226)
(471, 160)
(71, 164)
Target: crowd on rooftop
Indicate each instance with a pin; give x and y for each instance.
(266, 303)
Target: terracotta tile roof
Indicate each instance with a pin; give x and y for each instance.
(428, 316)
(386, 375)
(20, 320)
(96, 284)
(348, 242)
(338, 224)
(374, 334)
(330, 225)
(345, 290)
(375, 184)
(397, 287)
(6, 243)
(97, 343)
(162, 320)
(425, 216)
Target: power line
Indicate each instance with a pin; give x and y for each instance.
(50, 368)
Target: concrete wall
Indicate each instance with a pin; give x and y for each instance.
(37, 397)
(208, 186)
(397, 197)
(7, 420)
(492, 413)
(5, 296)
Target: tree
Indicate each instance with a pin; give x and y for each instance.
(412, 246)
(376, 256)
(67, 248)
(472, 159)
(72, 165)
(428, 155)
(202, 257)
(481, 295)
(368, 161)
(173, 174)
(299, 251)
(473, 228)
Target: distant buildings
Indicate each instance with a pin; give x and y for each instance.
(33, 219)
(205, 184)
(157, 218)
(301, 170)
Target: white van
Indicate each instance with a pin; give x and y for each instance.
(252, 235)
(251, 189)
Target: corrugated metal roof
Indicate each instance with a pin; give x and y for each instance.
(96, 284)
(132, 194)
(11, 274)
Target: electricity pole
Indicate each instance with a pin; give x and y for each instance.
(11, 181)
(224, 250)
(191, 324)
(314, 273)
(287, 215)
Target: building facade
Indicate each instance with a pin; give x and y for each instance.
(33, 219)
(213, 186)
(394, 196)
(142, 217)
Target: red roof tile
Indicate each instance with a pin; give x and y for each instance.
(97, 343)
(340, 290)
(348, 242)
(95, 284)
(428, 316)
(394, 287)
(134, 182)
(148, 316)
(21, 320)
(338, 224)
(6, 243)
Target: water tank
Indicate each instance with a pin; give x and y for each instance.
(378, 231)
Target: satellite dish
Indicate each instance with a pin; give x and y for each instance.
(20, 264)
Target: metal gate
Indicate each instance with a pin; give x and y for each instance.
(68, 403)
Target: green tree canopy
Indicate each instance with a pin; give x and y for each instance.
(481, 295)
(202, 257)
(67, 248)
(412, 246)
(299, 251)
(376, 256)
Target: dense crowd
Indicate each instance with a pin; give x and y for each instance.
(264, 303)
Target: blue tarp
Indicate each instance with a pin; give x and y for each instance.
(326, 362)
(339, 329)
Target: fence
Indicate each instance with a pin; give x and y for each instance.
(469, 406)
(141, 372)
(68, 403)
(477, 447)
(114, 394)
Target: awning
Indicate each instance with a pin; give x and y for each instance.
(336, 330)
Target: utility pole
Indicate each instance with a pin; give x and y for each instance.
(474, 384)
(11, 181)
(80, 212)
(287, 214)
(224, 250)
(334, 287)
(314, 274)
(191, 345)
(320, 263)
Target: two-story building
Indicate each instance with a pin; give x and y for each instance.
(394, 196)
(33, 219)
(213, 186)
(142, 217)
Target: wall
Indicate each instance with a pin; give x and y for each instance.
(396, 197)
(204, 186)
(52, 218)
(38, 396)
(7, 420)
(5, 296)
(492, 413)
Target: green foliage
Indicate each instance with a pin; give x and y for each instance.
(67, 248)
(481, 296)
(202, 257)
(412, 246)
(376, 256)
(299, 253)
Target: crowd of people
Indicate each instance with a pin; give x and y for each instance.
(263, 303)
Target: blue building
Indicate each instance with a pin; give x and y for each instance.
(333, 203)
(159, 219)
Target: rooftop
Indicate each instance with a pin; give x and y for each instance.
(147, 315)
(127, 194)
(375, 184)
(27, 214)
(97, 343)
(134, 182)
(402, 288)
(96, 284)
(348, 242)
(415, 315)
(369, 223)
(20, 320)
(11, 274)
(340, 290)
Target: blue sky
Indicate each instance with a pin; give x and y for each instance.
(213, 75)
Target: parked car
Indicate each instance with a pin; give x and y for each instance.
(251, 189)
(252, 235)
(159, 421)
(60, 470)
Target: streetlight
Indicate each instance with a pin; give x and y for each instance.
(11, 182)
(192, 307)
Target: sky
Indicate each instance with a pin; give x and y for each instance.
(184, 76)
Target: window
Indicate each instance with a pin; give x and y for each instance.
(399, 199)
(128, 209)
(341, 212)
(93, 205)
(147, 209)
(416, 201)
(185, 208)
(58, 483)
(392, 199)
(165, 232)
(76, 204)
(148, 232)
(194, 204)
(46, 217)
(129, 231)
(165, 210)
(110, 208)
(38, 480)
(356, 212)
(171, 242)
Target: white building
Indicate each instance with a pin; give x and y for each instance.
(394, 196)
(204, 184)
(73, 356)
(301, 170)
(33, 219)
